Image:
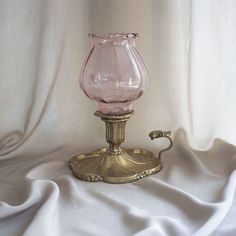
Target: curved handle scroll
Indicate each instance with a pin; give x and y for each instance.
(161, 134)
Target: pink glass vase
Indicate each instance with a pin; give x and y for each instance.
(114, 73)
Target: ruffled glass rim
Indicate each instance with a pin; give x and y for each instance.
(113, 35)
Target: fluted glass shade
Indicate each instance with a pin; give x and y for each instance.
(114, 73)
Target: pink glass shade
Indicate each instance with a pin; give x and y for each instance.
(114, 73)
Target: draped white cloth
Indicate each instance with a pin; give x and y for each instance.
(189, 48)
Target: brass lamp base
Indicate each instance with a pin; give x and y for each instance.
(126, 167)
(114, 164)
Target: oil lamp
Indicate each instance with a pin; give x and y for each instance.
(114, 75)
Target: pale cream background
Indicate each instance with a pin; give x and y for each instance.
(189, 49)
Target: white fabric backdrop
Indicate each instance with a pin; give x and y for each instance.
(189, 48)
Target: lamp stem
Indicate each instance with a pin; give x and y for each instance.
(115, 130)
(115, 135)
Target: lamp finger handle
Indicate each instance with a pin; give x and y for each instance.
(161, 134)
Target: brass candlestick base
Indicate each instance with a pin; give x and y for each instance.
(115, 164)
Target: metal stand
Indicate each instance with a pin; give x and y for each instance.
(114, 164)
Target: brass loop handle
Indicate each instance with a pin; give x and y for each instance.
(161, 134)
